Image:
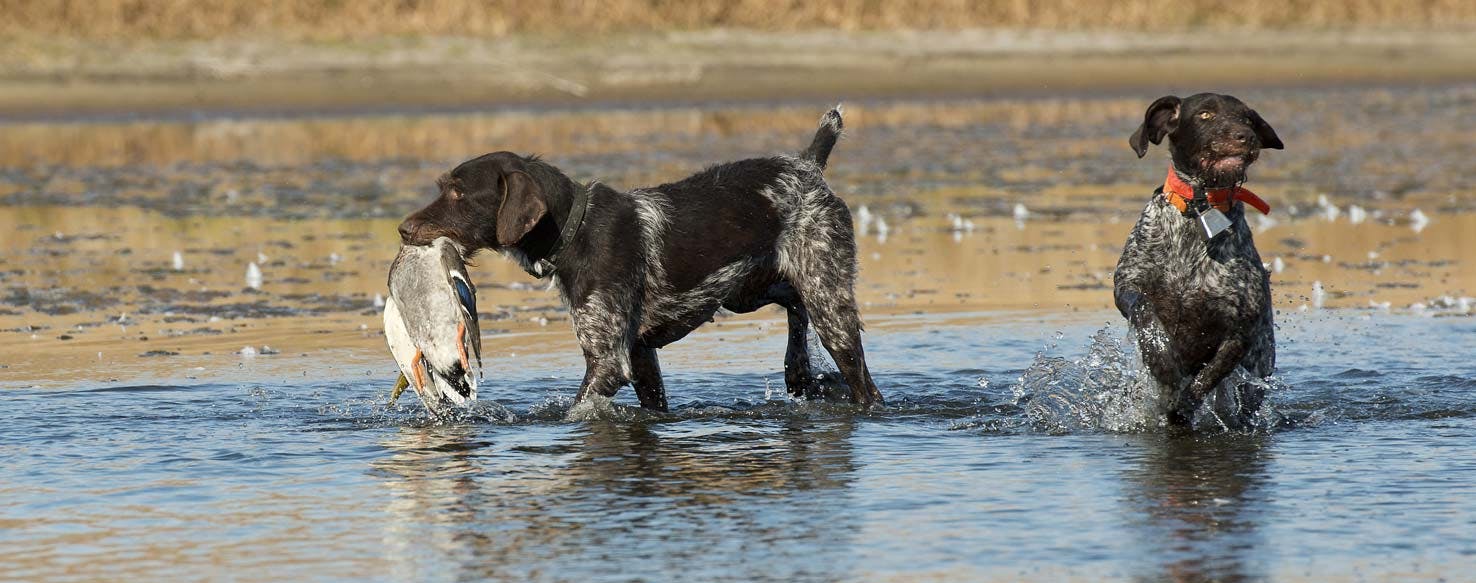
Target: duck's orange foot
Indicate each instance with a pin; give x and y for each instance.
(418, 367)
(461, 346)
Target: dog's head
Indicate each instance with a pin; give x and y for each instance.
(490, 202)
(1213, 138)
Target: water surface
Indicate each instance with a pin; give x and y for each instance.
(962, 476)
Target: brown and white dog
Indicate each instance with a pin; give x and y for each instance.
(642, 268)
(1195, 291)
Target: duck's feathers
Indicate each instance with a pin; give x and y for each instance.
(430, 299)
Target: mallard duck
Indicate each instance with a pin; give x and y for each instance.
(430, 322)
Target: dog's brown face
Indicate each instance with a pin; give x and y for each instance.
(489, 202)
(1213, 138)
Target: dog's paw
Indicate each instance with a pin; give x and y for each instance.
(1181, 412)
(826, 386)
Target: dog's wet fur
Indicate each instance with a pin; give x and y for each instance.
(1199, 308)
(648, 266)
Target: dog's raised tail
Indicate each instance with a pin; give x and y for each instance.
(825, 138)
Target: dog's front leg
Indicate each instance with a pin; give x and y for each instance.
(1226, 358)
(603, 375)
(1154, 347)
(606, 333)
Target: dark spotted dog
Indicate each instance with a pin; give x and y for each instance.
(641, 269)
(1198, 300)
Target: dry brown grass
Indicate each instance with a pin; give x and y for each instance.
(357, 19)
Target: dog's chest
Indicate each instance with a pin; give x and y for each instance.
(1213, 280)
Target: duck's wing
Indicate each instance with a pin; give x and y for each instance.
(401, 345)
(466, 297)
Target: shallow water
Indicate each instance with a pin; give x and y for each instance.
(1371, 477)
(140, 442)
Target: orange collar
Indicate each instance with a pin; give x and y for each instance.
(1179, 193)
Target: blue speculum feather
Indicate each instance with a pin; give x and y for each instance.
(464, 293)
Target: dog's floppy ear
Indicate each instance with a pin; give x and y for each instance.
(1160, 120)
(522, 207)
(1264, 132)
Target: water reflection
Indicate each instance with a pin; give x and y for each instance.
(1189, 498)
(642, 500)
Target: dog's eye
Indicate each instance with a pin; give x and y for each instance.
(1206, 115)
(454, 194)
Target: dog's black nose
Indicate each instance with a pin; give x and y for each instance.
(407, 230)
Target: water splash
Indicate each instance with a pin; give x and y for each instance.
(376, 411)
(1103, 390)
(596, 407)
(1109, 390)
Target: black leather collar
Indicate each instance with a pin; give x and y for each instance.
(543, 267)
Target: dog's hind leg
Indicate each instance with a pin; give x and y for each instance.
(836, 323)
(645, 377)
(798, 378)
(822, 267)
(1227, 356)
(1260, 361)
(1248, 396)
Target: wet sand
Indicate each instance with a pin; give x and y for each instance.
(973, 209)
(100, 302)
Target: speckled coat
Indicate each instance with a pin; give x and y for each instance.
(1198, 308)
(643, 268)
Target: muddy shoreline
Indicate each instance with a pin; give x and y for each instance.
(100, 80)
(973, 209)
